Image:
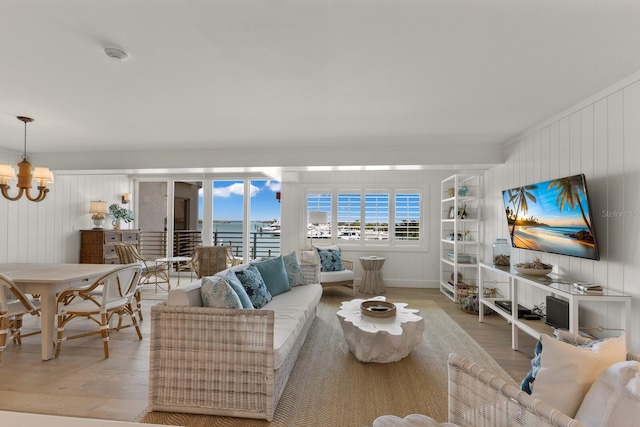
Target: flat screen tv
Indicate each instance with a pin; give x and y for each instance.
(552, 216)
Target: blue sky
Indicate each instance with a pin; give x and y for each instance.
(228, 201)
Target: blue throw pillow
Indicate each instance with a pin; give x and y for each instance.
(330, 259)
(294, 272)
(236, 285)
(216, 292)
(527, 383)
(254, 285)
(274, 275)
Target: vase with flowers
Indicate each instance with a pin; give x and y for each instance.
(119, 214)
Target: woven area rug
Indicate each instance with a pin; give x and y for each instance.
(330, 387)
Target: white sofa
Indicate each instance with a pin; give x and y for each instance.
(222, 361)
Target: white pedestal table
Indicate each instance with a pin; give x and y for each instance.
(381, 340)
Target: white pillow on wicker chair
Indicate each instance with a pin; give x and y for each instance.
(413, 420)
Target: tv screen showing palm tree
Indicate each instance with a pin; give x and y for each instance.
(552, 216)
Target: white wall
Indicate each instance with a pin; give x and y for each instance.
(404, 266)
(600, 138)
(47, 231)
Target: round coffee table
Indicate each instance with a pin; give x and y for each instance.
(380, 340)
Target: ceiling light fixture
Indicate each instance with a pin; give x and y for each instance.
(116, 54)
(25, 175)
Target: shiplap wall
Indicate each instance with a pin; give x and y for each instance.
(600, 138)
(48, 231)
(404, 266)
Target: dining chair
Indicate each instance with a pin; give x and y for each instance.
(158, 271)
(208, 260)
(13, 305)
(116, 299)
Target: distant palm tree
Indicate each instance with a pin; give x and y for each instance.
(570, 189)
(518, 197)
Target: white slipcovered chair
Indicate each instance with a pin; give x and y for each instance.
(344, 277)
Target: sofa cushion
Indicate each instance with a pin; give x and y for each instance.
(236, 284)
(274, 275)
(614, 398)
(336, 276)
(186, 295)
(566, 372)
(413, 420)
(216, 292)
(254, 285)
(291, 312)
(292, 267)
(330, 259)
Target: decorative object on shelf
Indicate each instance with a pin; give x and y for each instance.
(469, 301)
(98, 208)
(460, 278)
(451, 192)
(25, 175)
(375, 308)
(462, 191)
(126, 198)
(462, 212)
(501, 252)
(119, 214)
(452, 213)
(535, 268)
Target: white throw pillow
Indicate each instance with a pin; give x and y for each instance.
(216, 292)
(614, 399)
(567, 372)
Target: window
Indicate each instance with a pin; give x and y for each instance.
(349, 213)
(369, 216)
(407, 223)
(376, 216)
(319, 202)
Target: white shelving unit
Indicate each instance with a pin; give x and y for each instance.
(560, 287)
(459, 233)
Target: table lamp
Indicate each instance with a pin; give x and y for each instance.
(98, 208)
(318, 218)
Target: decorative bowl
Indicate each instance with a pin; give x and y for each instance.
(533, 271)
(375, 308)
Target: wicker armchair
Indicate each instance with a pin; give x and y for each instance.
(13, 305)
(208, 260)
(116, 298)
(158, 271)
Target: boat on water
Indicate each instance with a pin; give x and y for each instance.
(273, 228)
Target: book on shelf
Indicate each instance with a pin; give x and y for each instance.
(589, 288)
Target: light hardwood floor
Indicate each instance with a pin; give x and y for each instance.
(82, 383)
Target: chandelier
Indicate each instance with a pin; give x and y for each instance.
(43, 175)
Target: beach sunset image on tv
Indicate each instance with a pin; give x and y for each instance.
(552, 216)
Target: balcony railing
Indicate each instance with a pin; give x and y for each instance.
(185, 242)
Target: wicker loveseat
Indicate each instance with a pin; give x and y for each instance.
(223, 361)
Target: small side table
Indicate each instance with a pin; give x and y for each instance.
(174, 260)
(372, 282)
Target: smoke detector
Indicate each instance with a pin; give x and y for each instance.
(116, 54)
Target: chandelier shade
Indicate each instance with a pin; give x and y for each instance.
(26, 175)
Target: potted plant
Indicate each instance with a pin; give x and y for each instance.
(119, 214)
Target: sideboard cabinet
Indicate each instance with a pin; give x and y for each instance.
(97, 246)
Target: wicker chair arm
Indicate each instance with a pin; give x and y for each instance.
(478, 398)
(348, 264)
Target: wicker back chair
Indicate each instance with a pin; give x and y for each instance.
(13, 305)
(115, 298)
(158, 271)
(208, 260)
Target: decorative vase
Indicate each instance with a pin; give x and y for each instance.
(116, 224)
(501, 252)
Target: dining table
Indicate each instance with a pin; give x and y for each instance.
(47, 280)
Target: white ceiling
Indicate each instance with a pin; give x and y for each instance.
(260, 74)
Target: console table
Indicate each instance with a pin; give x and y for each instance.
(558, 286)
